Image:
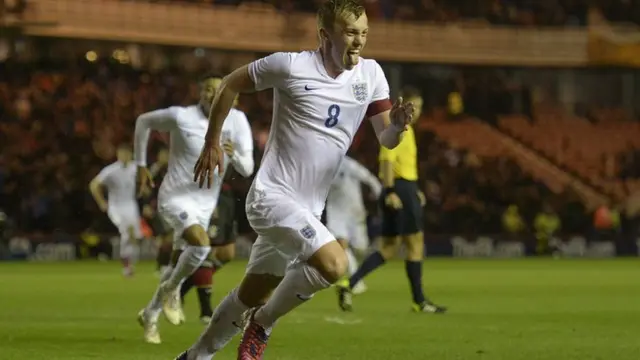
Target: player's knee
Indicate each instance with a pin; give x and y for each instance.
(343, 243)
(331, 262)
(195, 235)
(415, 246)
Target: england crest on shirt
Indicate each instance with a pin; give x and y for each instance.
(360, 92)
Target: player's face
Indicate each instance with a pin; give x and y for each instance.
(417, 106)
(347, 40)
(124, 155)
(208, 90)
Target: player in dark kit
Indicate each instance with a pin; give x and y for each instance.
(222, 233)
(159, 227)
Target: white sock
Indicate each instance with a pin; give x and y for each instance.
(188, 262)
(221, 329)
(299, 284)
(353, 262)
(153, 309)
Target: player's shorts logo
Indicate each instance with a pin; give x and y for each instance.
(308, 232)
(360, 91)
(183, 215)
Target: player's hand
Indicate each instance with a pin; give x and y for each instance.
(401, 114)
(228, 148)
(211, 157)
(423, 200)
(393, 201)
(145, 181)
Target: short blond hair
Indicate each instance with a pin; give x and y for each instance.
(334, 9)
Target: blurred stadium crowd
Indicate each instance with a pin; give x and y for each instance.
(503, 12)
(61, 120)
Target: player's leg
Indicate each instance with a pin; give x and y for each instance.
(118, 220)
(322, 263)
(191, 247)
(388, 247)
(165, 248)
(265, 270)
(223, 251)
(221, 255)
(126, 251)
(339, 227)
(148, 317)
(413, 238)
(358, 246)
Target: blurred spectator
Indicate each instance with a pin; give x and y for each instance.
(512, 221)
(547, 224)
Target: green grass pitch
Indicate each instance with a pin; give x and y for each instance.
(499, 309)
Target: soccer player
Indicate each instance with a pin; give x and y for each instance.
(320, 99)
(222, 233)
(186, 207)
(346, 214)
(402, 217)
(121, 205)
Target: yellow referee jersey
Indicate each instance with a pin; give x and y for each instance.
(404, 157)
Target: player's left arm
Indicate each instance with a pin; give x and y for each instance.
(379, 112)
(366, 177)
(242, 157)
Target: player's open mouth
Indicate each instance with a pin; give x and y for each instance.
(354, 52)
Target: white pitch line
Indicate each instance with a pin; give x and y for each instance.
(341, 321)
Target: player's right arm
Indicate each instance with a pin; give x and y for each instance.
(365, 176)
(159, 120)
(264, 73)
(96, 187)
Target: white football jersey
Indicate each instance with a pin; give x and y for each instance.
(187, 127)
(315, 118)
(345, 195)
(120, 181)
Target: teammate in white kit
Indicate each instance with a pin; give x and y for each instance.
(119, 180)
(185, 206)
(320, 99)
(346, 214)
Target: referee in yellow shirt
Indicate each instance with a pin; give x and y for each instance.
(402, 203)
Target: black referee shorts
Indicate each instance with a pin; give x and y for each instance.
(222, 230)
(405, 221)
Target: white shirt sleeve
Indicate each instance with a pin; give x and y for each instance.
(381, 86)
(365, 176)
(271, 71)
(104, 174)
(242, 159)
(159, 120)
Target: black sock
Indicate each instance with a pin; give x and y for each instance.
(186, 286)
(204, 297)
(414, 273)
(369, 264)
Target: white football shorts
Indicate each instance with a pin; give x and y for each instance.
(287, 233)
(182, 212)
(126, 218)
